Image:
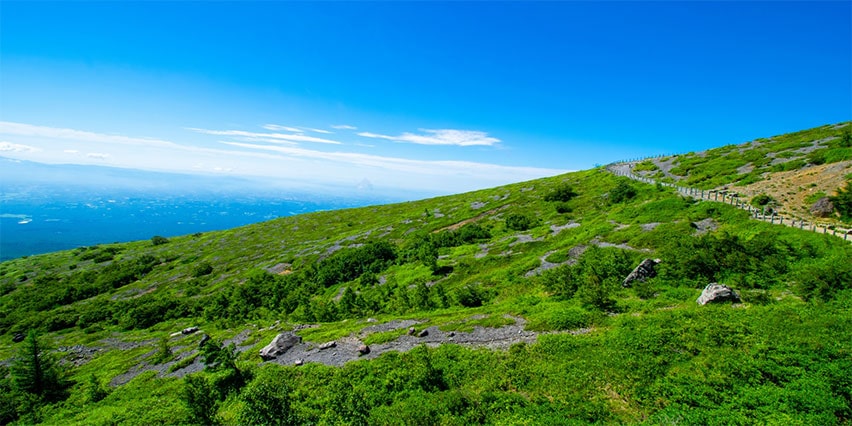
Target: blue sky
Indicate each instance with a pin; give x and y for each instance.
(422, 96)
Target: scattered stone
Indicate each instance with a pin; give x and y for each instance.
(189, 330)
(822, 208)
(372, 320)
(280, 344)
(411, 331)
(423, 333)
(204, 339)
(642, 272)
(363, 349)
(298, 362)
(705, 225)
(327, 345)
(18, 337)
(452, 334)
(716, 293)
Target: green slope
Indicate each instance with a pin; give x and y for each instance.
(546, 257)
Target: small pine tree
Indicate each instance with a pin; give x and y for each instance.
(36, 372)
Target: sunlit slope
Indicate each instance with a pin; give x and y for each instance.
(519, 289)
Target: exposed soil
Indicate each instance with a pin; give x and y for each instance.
(790, 189)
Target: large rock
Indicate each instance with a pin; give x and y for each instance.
(280, 344)
(717, 293)
(642, 272)
(822, 208)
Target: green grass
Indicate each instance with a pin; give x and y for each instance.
(648, 354)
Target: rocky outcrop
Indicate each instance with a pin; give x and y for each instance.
(642, 272)
(717, 293)
(280, 344)
(822, 207)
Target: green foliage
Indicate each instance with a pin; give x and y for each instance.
(202, 269)
(159, 240)
(349, 264)
(199, 396)
(164, 352)
(35, 371)
(688, 364)
(761, 200)
(519, 222)
(95, 391)
(843, 201)
(622, 192)
(564, 192)
(266, 400)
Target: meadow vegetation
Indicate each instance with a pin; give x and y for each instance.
(552, 252)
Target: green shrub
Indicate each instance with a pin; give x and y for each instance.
(564, 192)
(519, 222)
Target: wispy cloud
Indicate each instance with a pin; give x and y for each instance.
(266, 136)
(440, 137)
(277, 128)
(423, 167)
(273, 155)
(344, 127)
(16, 147)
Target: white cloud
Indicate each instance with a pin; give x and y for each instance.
(440, 137)
(275, 156)
(423, 167)
(266, 136)
(16, 147)
(28, 130)
(344, 127)
(310, 129)
(277, 128)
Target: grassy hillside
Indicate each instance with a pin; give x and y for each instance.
(519, 290)
(794, 170)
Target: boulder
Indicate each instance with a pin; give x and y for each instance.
(204, 339)
(189, 330)
(298, 362)
(18, 337)
(280, 344)
(716, 293)
(423, 333)
(327, 345)
(411, 331)
(822, 207)
(642, 272)
(363, 349)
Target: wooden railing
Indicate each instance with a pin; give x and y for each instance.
(625, 168)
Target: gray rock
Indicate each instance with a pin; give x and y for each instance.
(18, 337)
(716, 293)
(642, 272)
(411, 331)
(423, 333)
(280, 344)
(204, 339)
(363, 349)
(298, 362)
(327, 345)
(189, 330)
(822, 207)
